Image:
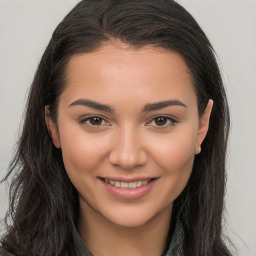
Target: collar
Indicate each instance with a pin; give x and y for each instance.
(176, 244)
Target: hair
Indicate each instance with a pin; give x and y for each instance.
(44, 203)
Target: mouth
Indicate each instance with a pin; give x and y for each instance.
(127, 185)
(128, 189)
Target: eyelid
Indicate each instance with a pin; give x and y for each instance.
(85, 118)
(82, 121)
(172, 119)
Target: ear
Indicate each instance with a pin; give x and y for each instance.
(52, 128)
(203, 126)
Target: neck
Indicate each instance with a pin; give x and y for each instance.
(105, 238)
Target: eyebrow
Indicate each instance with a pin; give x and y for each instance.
(162, 104)
(92, 104)
(147, 108)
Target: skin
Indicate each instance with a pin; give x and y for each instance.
(128, 143)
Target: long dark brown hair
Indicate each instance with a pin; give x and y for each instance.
(44, 204)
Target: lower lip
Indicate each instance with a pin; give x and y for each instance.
(129, 193)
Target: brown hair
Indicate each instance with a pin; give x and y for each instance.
(44, 203)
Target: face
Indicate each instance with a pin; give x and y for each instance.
(128, 128)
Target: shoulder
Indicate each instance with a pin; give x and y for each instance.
(3, 252)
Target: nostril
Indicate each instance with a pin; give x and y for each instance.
(128, 154)
(125, 161)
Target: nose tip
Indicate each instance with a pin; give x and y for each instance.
(128, 152)
(128, 160)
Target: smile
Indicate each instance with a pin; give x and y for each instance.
(122, 184)
(128, 189)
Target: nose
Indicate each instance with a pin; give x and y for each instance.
(128, 150)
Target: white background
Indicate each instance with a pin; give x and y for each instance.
(26, 27)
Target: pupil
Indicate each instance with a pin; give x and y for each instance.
(96, 120)
(161, 120)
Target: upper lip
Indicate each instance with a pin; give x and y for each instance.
(124, 179)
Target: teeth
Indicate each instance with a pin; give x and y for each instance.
(122, 184)
(133, 185)
(117, 184)
(140, 183)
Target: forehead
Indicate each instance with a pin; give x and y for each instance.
(117, 69)
(123, 55)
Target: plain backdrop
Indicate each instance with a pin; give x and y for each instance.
(25, 29)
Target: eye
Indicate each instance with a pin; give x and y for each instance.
(93, 121)
(162, 121)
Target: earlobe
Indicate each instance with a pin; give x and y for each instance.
(52, 128)
(203, 126)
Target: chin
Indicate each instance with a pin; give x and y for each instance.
(133, 218)
(130, 221)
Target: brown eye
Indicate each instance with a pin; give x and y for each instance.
(161, 120)
(95, 120)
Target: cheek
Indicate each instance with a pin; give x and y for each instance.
(176, 158)
(82, 152)
(175, 153)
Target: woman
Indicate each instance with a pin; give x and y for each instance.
(124, 139)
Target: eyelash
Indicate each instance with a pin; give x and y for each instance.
(170, 121)
(90, 118)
